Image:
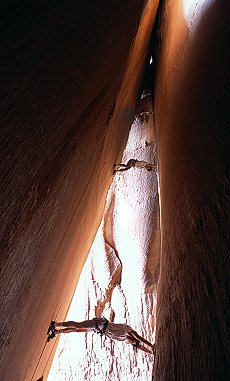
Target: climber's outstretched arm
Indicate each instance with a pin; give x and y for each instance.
(144, 349)
(140, 338)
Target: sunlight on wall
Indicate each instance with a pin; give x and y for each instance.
(193, 10)
(114, 277)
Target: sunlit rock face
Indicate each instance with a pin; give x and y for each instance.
(192, 113)
(70, 77)
(120, 275)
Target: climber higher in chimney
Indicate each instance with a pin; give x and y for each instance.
(140, 164)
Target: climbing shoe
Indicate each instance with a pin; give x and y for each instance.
(51, 327)
(51, 336)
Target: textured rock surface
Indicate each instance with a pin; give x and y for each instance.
(192, 118)
(69, 80)
(117, 277)
(70, 77)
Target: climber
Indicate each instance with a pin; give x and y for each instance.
(100, 325)
(143, 116)
(140, 164)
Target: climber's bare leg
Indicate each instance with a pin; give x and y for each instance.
(120, 168)
(77, 326)
(119, 165)
(70, 330)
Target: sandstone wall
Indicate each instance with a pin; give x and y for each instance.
(65, 119)
(117, 280)
(192, 119)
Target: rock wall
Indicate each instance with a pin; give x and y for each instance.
(192, 119)
(70, 77)
(117, 281)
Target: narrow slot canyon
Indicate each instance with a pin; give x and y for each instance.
(120, 276)
(150, 249)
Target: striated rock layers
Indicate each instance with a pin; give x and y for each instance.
(192, 112)
(120, 276)
(69, 79)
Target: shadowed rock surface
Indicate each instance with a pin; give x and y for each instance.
(65, 117)
(192, 119)
(70, 77)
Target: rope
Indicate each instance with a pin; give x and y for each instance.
(39, 361)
